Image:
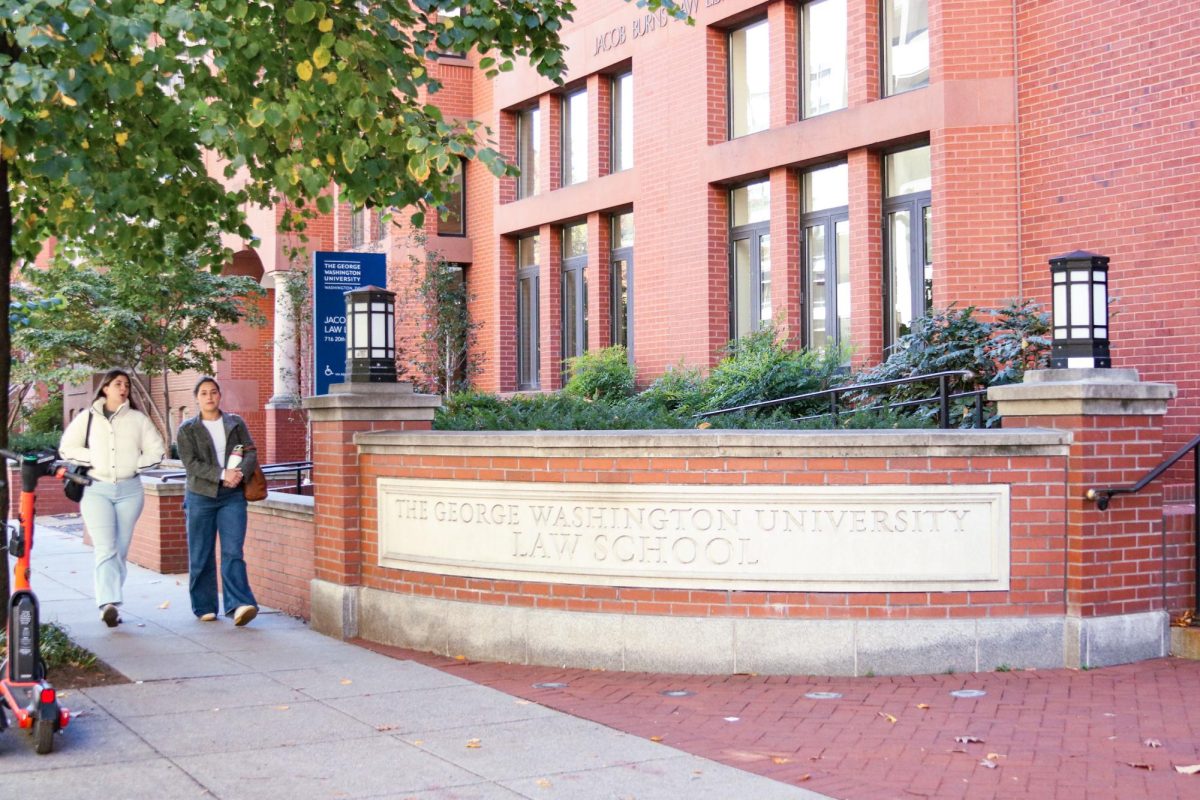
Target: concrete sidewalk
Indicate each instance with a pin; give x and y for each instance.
(276, 710)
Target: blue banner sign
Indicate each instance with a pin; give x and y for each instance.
(334, 274)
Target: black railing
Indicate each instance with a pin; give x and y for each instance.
(269, 470)
(942, 398)
(1103, 497)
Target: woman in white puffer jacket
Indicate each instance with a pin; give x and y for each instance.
(119, 443)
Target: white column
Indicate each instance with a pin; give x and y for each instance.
(286, 388)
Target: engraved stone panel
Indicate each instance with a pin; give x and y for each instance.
(787, 538)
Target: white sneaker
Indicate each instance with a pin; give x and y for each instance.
(110, 616)
(244, 614)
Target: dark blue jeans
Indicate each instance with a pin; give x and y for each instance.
(208, 517)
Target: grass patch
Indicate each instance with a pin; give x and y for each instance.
(58, 651)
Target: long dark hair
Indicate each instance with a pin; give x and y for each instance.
(111, 376)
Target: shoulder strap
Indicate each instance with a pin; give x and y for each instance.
(87, 437)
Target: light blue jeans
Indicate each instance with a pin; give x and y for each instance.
(110, 510)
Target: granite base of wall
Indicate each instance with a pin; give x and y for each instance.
(722, 645)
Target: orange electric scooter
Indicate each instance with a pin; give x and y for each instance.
(24, 690)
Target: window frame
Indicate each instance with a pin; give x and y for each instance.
(803, 61)
(573, 269)
(529, 353)
(617, 255)
(615, 138)
(885, 60)
(729, 83)
(754, 232)
(919, 206)
(569, 155)
(528, 123)
(828, 219)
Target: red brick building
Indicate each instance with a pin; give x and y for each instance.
(836, 166)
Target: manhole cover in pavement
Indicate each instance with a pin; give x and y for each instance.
(677, 693)
(968, 693)
(824, 696)
(550, 686)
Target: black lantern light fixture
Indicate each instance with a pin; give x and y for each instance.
(1080, 284)
(370, 335)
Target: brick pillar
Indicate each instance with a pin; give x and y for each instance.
(160, 535)
(338, 499)
(287, 434)
(1115, 607)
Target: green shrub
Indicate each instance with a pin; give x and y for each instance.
(57, 649)
(680, 390)
(46, 418)
(760, 367)
(995, 352)
(600, 374)
(33, 442)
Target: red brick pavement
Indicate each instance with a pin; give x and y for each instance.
(1053, 734)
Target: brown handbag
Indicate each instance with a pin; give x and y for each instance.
(254, 485)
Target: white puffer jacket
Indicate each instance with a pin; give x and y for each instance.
(117, 448)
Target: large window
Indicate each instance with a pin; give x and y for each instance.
(529, 145)
(905, 45)
(749, 80)
(826, 232)
(574, 292)
(622, 282)
(750, 257)
(908, 238)
(528, 344)
(453, 217)
(622, 126)
(823, 53)
(575, 138)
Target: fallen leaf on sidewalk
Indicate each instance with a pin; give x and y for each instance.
(281, 708)
(474, 744)
(165, 604)
(656, 738)
(804, 777)
(1152, 743)
(923, 706)
(1139, 765)
(779, 760)
(1190, 769)
(346, 681)
(968, 740)
(543, 783)
(888, 717)
(993, 756)
(382, 728)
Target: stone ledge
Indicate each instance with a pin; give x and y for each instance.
(724, 645)
(721, 444)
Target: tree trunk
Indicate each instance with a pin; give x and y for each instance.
(147, 397)
(6, 259)
(166, 376)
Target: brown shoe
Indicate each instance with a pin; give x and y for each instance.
(209, 617)
(244, 614)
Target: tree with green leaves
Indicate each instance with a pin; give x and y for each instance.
(153, 320)
(113, 111)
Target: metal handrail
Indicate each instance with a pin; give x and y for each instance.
(283, 467)
(943, 397)
(1102, 497)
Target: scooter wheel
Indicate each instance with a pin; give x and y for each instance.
(43, 736)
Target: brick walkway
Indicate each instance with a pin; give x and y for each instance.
(1054, 734)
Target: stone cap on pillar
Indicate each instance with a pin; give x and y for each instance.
(1081, 392)
(384, 402)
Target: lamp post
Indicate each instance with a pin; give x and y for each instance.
(1080, 284)
(370, 335)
